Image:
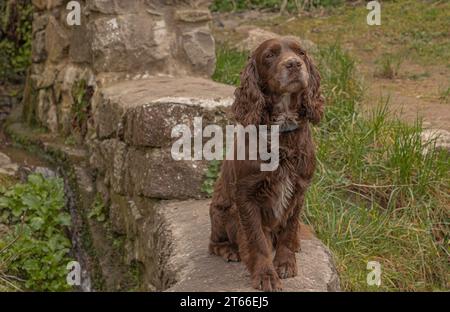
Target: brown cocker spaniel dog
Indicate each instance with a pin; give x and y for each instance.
(253, 212)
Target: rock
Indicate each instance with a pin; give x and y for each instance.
(193, 16)
(40, 4)
(45, 172)
(56, 40)
(46, 78)
(199, 48)
(46, 110)
(256, 36)
(70, 74)
(129, 42)
(38, 52)
(109, 156)
(181, 249)
(113, 6)
(187, 94)
(7, 167)
(7, 102)
(39, 22)
(154, 173)
(65, 80)
(80, 43)
(440, 137)
(152, 124)
(51, 4)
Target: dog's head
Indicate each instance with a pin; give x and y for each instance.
(276, 68)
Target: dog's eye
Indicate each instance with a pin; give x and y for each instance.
(269, 55)
(301, 53)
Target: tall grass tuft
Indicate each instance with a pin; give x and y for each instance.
(380, 193)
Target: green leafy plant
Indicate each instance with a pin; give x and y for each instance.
(81, 108)
(211, 175)
(97, 210)
(38, 248)
(15, 38)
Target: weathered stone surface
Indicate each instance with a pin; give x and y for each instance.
(113, 6)
(129, 42)
(39, 22)
(181, 249)
(152, 124)
(154, 173)
(40, 4)
(199, 48)
(109, 156)
(38, 52)
(7, 167)
(193, 16)
(255, 36)
(46, 110)
(117, 211)
(188, 94)
(56, 40)
(80, 43)
(46, 4)
(51, 4)
(66, 78)
(70, 74)
(46, 78)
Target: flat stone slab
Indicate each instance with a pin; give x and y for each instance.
(187, 229)
(147, 109)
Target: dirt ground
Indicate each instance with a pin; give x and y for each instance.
(410, 99)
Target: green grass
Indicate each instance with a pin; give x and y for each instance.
(445, 95)
(229, 63)
(416, 29)
(388, 66)
(377, 196)
(271, 5)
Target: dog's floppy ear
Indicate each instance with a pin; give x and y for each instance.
(313, 100)
(249, 103)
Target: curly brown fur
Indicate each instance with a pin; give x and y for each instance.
(256, 213)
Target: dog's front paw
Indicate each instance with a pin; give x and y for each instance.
(266, 279)
(286, 267)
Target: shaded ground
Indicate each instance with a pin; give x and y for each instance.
(406, 59)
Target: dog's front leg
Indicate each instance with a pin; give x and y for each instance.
(288, 243)
(255, 245)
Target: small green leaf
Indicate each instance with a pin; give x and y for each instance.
(36, 223)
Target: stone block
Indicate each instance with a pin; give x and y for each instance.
(154, 173)
(144, 111)
(56, 40)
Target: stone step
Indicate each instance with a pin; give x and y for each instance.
(144, 111)
(186, 228)
(133, 127)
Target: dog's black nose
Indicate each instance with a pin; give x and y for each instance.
(292, 63)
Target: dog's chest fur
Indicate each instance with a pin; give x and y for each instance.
(284, 190)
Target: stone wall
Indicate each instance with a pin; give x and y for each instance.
(117, 40)
(115, 86)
